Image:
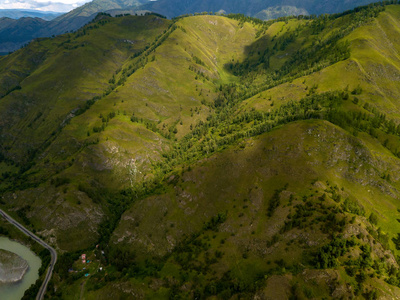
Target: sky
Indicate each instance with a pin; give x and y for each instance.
(42, 5)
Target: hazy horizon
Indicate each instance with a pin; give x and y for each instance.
(60, 6)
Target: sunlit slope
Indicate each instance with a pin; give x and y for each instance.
(217, 214)
(377, 52)
(374, 65)
(154, 81)
(184, 70)
(169, 92)
(215, 140)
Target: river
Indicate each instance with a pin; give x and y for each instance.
(15, 291)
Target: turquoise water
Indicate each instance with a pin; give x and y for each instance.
(15, 291)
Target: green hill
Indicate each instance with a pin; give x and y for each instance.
(210, 157)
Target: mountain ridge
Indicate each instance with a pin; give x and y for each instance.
(63, 23)
(210, 156)
(174, 8)
(171, 8)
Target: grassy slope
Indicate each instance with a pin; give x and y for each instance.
(374, 65)
(309, 156)
(239, 182)
(75, 72)
(193, 195)
(151, 93)
(108, 158)
(14, 68)
(62, 83)
(267, 162)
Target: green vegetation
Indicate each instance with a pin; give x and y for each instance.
(210, 156)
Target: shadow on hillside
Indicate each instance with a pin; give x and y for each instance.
(255, 54)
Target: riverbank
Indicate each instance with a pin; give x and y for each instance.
(16, 290)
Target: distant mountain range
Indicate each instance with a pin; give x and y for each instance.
(14, 34)
(172, 8)
(82, 15)
(26, 13)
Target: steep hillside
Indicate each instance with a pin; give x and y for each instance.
(261, 214)
(373, 65)
(113, 138)
(66, 78)
(210, 157)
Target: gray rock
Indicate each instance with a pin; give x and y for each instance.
(12, 267)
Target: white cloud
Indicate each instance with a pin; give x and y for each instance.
(42, 5)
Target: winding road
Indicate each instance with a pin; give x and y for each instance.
(53, 252)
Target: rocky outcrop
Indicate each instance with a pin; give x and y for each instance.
(12, 267)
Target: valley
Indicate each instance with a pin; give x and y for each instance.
(209, 156)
